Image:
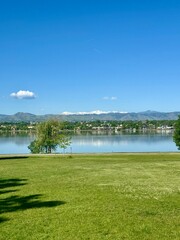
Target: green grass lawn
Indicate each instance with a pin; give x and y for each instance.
(96, 197)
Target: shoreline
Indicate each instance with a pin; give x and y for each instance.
(21, 155)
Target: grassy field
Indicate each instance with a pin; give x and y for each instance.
(96, 197)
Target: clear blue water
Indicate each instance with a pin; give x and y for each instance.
(162, 142)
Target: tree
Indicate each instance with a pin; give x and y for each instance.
(34, 147)
(49, 136)
(65, 141)
(176, 136)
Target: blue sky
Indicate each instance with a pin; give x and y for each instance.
(82, 56)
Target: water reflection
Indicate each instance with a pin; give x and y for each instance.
(87, 142)
(15, 143)
(17, 140)
(124, 143)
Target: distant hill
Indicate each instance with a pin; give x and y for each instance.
(140, 116)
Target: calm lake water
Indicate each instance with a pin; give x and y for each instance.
(88, 143)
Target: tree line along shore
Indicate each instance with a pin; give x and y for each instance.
(117, 126)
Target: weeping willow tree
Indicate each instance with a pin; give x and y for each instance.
(49, 137)
(176, 136)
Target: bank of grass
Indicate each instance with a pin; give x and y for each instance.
(96, 197)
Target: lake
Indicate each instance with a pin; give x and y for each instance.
(98, 143)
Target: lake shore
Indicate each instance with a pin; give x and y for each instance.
(84, 154)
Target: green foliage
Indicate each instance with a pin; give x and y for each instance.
(49, 137)
(34, 147)
(65, 141)
(176, 136)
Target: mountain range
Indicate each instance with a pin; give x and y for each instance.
(102, 116)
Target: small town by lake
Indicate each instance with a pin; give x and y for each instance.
(88, 142)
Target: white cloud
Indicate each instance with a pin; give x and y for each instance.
(23, 95)
(110, 98)
(113, 98)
